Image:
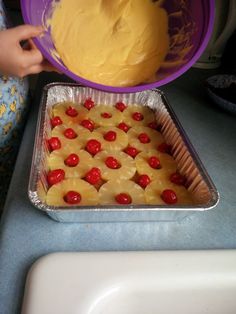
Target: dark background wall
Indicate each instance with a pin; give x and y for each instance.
(12, 4)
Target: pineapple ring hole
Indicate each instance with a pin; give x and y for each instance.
(106, 115)
(72, 160)
(144, 138)
(71, 112)
(123, 198)
(112, 163)
(137, 116)
(154, 162)
(72, 197)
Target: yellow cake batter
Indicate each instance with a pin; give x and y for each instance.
(111, 42)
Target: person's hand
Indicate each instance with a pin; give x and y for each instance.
(20, 60)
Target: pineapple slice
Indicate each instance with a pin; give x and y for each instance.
(167, 164)
(59, 159)
(110, 190)
(144, 138)
(136, 115)
(70, 112)
(56, 193)
(104, 115)
(124, 170)
(113, 138)
(154, 190)
(80, 139)
(91, 135)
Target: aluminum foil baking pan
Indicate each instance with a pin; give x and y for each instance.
(198, 181)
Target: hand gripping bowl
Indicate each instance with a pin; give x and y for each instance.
(190, 26)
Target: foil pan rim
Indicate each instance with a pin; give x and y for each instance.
(32, 191)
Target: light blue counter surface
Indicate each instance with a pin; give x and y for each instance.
(27, 234)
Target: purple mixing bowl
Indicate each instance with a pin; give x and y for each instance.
(196, 20)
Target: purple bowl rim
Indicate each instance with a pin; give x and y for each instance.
(137, 88)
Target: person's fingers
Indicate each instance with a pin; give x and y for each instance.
(48, 67)
(24, 32)
(29, 44)
(34, 69)
(32, 57)
(32, 44)
(37, 68)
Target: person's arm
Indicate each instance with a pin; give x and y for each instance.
(18, 60)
